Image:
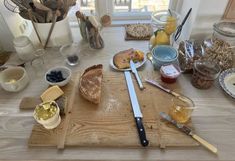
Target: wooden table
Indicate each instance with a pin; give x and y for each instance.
(213, 119)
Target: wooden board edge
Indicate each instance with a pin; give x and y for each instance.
(61, 138)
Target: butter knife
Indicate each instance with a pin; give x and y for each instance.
(156, 84)
(133, 69)
(189, 132)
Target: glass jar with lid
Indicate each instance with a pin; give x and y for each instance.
(164, 24)
(24, 48)
(165, 19)
(219, 48)
(225, 30)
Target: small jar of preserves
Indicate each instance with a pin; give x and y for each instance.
(169, 73)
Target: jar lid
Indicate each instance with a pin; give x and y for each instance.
(170, 71)
(162, 16)
(21, 41)
(226, 28)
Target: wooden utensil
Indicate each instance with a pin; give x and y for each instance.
(51, 29)
(35, 29)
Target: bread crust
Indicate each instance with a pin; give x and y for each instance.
(90, 83)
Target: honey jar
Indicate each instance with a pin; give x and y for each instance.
(180, 110)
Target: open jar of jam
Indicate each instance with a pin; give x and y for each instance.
(169, 73)
(204, 73)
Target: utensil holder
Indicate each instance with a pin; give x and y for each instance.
(60, 35)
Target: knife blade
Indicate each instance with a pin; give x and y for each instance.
(133, 69)
(179, 96)
(136, 109)
(189, 132)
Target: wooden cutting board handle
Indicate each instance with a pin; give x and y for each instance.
(205, 143)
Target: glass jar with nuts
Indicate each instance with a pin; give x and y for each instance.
(204, 73)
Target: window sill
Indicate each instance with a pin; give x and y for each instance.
(125, 22)
(115, 23)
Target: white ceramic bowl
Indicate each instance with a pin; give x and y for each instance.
(14, 79)
(66, 72)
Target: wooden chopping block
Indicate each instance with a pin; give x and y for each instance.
(29, 103)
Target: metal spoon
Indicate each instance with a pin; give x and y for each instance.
(150, 57)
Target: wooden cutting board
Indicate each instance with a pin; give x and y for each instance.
(111, 123)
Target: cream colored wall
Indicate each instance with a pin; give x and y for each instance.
(204, 14)
(209, 12)
(9, 27)
(6, 36)
(13, 20)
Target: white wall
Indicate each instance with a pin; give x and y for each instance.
(13, 20)
(6, 36)
(210, 11)
(9, 27)
(204, 14)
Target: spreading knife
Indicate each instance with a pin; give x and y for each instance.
(156, 84)
(133, 69)
(189, 132)
(136, 109)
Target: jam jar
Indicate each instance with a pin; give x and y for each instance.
(169, 73)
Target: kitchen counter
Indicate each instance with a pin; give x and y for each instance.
(213, 119)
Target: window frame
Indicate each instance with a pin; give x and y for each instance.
(103, 7)
(106, 7)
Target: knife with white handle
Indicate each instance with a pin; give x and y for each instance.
(136, 109)
(189, 132)
(177, 95)
(133, 69)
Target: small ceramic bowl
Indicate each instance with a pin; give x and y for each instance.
(65, 73)
(14, 79)
(164, 55)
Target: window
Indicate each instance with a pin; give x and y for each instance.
(121, 9)
(87, 6)
(140, 5)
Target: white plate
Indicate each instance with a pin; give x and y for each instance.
(227, 81)
(137, 64)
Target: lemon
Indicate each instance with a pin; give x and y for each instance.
(162, 38)
(170, 25)
(152, 40)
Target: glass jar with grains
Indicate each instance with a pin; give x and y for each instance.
(220, 47)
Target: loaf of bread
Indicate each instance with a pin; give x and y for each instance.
(90, 83)
(122, 59)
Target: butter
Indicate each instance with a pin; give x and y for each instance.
(11, 81)
(45, 110)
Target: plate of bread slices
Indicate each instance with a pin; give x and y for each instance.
(121, 60)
